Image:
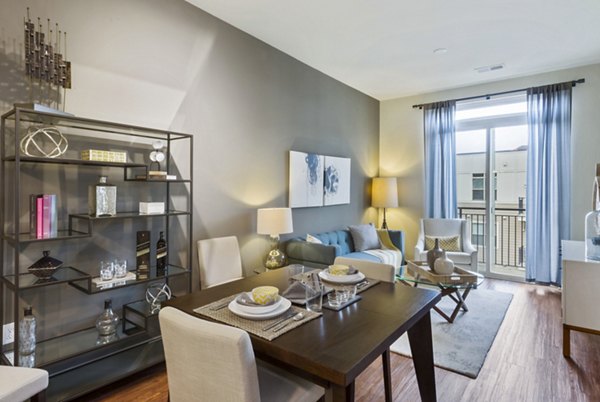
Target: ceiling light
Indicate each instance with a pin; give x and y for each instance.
(440, 50)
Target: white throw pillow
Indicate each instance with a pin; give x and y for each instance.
(312, 239)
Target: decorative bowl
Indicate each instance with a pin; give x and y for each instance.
(45, 266)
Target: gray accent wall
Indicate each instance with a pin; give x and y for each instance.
(169, 65)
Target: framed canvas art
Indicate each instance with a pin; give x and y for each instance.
(306, 179)
(336, 181)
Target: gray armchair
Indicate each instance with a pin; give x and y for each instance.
(466, 258)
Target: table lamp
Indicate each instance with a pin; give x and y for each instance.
(385, 195)
(273, 222)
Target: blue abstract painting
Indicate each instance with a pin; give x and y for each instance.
(306, 179)
(337, 181)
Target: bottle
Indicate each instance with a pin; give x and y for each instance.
(592, 226)
(27, 332)
(161, 256)
(102, 198)
(108, 320)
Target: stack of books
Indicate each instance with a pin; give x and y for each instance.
(43, 223)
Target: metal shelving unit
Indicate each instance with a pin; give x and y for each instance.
(77, 359)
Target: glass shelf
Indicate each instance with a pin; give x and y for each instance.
(62, 235)
(86, 285)
(127, 215)
(32, 159)
(61, 275)
(160, 181)
(73, 344)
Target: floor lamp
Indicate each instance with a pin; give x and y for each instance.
(273, 222)
(385, 195)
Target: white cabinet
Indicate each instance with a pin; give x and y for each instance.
(581, 295)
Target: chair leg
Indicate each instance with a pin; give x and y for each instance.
(39, 397)
(387, 375)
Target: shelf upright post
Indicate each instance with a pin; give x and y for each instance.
(168, 207)
(191, 215)
(2, 237)
(16, 228)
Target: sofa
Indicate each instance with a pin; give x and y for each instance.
(336, 243)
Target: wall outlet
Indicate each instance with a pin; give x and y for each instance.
(8, 333)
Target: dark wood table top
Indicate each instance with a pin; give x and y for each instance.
(338, 346)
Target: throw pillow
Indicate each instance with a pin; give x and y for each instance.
(447, 243)
(312, 239)
(364, 237)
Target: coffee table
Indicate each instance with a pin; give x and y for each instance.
(456, 285)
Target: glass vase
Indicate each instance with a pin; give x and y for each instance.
(108, 320)
(592, 235)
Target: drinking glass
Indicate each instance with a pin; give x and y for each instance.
(314, 294)
(107, 270)
(347, 293)
(334, 298)
(120, 268)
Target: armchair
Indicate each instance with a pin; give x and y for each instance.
(465, 258)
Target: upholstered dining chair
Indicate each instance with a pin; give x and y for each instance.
(22, 383)
(207, 361)
(219, 261)
(384, 273)
(456, 233)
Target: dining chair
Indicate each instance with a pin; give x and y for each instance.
(22, 383)
(457, 234)
(219, 261)
(371, 269)
(384, 273)
(208, 361)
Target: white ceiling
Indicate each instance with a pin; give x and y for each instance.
(384, 48)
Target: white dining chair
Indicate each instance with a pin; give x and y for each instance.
(384, 273)
(22, 383)
(371, 269)
(219, 261)
(207, 361)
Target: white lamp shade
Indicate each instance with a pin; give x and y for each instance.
(274, 221)
(385, 192)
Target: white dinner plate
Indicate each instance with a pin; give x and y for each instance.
(344, 279)
(258, 309)
(282, 307)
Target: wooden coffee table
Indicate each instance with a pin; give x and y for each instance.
(456, 285)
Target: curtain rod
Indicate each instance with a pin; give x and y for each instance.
(487, 96)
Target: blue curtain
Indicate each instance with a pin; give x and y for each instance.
(548, 180)
(440, 160)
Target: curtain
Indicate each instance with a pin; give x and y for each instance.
(548, 180)
(440, 160)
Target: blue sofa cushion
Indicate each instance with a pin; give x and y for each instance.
(341, 238)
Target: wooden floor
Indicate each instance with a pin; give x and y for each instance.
(525, 362)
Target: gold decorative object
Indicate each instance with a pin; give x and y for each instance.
(44, 141)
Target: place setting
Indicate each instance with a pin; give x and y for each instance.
(261, 311)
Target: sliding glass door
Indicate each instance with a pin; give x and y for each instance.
(491, 159)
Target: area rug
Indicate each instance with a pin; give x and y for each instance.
(462, 346)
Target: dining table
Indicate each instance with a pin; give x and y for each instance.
(333, 349)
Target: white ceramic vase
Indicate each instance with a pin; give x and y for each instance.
(443, 266)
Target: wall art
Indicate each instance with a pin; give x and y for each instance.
(306, 179)
(336, 181)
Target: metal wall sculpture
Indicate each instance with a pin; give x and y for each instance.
(44, 61)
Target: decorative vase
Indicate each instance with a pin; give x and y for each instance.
(592, 226)
(27, 327)
(433, 254)
(108, 320)
(443, 265)
(45, 266)
(102, 198)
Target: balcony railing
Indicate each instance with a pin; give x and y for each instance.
(510, 234)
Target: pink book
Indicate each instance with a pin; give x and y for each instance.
(39, 214)
(46, 218)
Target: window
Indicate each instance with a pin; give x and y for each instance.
(477, 234)
(479, 186)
